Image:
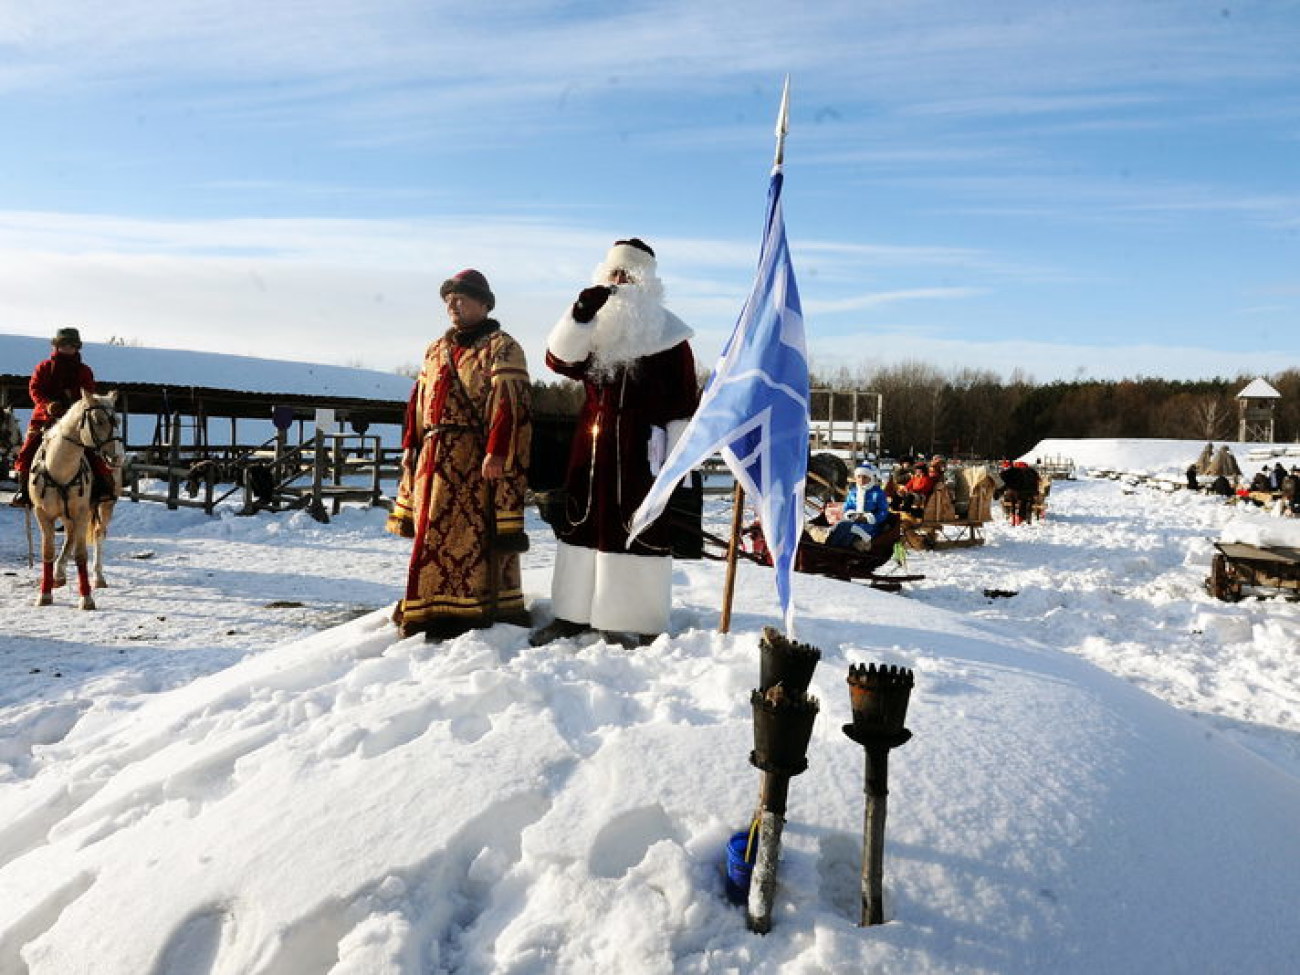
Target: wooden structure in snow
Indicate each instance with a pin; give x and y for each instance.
(185, 446)
(1239, 569)
(846, 421)
(1255, 406)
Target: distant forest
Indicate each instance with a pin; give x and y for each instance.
(970, 412)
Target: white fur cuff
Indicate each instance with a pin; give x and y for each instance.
(570, 341)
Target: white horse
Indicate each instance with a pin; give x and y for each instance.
(101, 514)
(60, 486)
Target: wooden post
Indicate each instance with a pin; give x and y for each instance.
(125, 410)
(830, 417)
(173, 462)
(729, 585)
(317, 470)
(858, 455)
(375, 458)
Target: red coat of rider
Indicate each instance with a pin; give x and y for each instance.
(59, 379)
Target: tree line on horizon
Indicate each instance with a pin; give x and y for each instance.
(977, 413)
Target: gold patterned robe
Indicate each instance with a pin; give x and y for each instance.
(472, 396)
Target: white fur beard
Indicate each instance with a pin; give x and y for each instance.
(628, 327)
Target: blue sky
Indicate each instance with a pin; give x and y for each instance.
(1091, 189)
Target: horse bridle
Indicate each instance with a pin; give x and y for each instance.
(84, 426)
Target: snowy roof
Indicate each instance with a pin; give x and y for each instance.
(114, 364)
(1259, 389)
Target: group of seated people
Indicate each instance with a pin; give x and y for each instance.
(1277, 482)
(870, 507)
(911, 483)
(1280, 484)
(1271, 481)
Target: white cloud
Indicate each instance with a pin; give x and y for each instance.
(319, 290)
(880, 299)
(437, 60)
(1045, 361)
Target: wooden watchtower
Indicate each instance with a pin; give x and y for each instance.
(1255, 406)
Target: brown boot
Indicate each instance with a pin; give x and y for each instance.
(102, 488)
(23, 498)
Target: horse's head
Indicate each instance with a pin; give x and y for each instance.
(92, 421)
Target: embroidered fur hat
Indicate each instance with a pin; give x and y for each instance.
(69, 335)
(470, 283)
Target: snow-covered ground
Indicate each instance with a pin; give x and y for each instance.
(236, 767)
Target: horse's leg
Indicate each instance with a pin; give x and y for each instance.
(96, 533)
(46, 523)
(61, 562)
(77, 530)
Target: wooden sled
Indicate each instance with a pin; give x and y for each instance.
(940, 525)
(817, 558)
(1238, 570)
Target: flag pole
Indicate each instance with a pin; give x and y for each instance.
(733, 553)
(738, 497)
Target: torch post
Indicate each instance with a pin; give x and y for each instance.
(879, 697)
(783, 722)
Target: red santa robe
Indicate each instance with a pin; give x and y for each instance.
(643, 393)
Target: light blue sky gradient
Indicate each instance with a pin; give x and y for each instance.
(1069, 189)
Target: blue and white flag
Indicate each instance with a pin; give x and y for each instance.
(754, 409)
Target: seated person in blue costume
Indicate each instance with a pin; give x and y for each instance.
(864, 513)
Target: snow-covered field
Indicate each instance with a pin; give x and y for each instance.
(235, 766)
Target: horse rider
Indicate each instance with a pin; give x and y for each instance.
(56, 384)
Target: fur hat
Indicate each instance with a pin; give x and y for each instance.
(470, 283)
(866, 469)
(70, 335)
(634, 256)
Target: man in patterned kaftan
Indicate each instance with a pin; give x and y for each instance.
(632, 356)
(461, 497)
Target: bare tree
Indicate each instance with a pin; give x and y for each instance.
(1211, 416)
